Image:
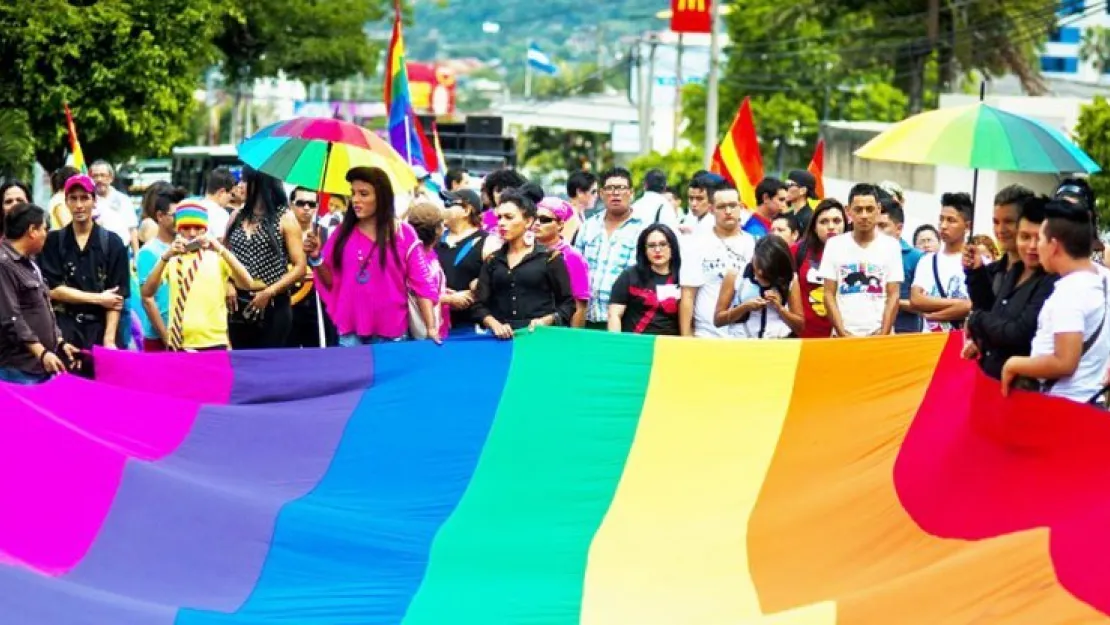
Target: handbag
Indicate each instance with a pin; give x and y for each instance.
(418, 330)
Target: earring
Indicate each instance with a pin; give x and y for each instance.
(529, 237)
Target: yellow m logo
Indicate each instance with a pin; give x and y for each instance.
(691, 5)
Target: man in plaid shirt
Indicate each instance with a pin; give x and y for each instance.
(608, 243)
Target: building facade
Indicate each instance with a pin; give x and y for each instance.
(1060, 57)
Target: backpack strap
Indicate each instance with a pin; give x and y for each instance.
(1088, 344)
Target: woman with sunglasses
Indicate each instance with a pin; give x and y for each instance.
(524, 284)
(646, 297)
(552, 214)
(461, 251)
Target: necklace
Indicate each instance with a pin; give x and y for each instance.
(363, 275)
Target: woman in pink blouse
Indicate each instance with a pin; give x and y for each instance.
(371, 265)
(552, 214)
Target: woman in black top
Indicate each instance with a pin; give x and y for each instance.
(461, 252)
(265, 236)
(524, 284)
(1003, 326)
(645, 298)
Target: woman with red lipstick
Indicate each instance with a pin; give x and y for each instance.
(523, 284)
(645, 298)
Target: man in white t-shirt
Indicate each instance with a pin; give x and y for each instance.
(217, 196)
(700, 215)
(862, 270)
(652, 207)
(707, 257)
(110, 199)
(1071, 348)
(939, 290)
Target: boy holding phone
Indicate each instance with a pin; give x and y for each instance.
(196, 268)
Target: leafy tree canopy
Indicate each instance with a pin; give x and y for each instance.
(1090, 134)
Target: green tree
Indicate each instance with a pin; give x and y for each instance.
(17, 146)
(679, 165)
(1090, 134)
(1095, 48)
(128, 69)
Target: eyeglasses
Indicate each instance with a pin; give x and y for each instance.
(658, 246)
(615, 188)
(304, 204)
(544, 219)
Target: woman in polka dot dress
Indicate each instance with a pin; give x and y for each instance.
(265, 237)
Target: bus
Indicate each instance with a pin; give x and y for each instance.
(191, 164)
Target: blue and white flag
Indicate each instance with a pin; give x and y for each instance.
(540, 62)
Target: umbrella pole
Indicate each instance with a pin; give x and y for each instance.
(321, 334)
(975, 174)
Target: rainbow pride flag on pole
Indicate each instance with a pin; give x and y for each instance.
(77, 156)
(405, 134)
(849, 482)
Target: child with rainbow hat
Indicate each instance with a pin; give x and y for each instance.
(196, 268)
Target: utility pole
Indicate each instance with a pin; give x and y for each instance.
(677, 92)
(711, 102)
(527, 75)
(647, 80)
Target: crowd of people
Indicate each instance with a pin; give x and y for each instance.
(250, 266)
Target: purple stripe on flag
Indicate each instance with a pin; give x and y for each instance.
(31, 598)
(194, 529)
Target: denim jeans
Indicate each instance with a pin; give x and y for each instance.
(16, 376)
(354, 340)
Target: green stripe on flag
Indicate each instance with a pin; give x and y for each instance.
(516, 546)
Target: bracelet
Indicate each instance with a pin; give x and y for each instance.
(315, 262)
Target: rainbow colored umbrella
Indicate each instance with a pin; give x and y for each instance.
(979, 136)
(317, 153)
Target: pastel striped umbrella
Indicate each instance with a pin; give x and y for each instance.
(316, 153)
(979, 136)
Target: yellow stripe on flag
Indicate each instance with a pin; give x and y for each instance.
(673, 545)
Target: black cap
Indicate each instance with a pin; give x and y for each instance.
(803, 178)
(465, 196)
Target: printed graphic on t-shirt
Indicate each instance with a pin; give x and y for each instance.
(866, 278)
(717, 265)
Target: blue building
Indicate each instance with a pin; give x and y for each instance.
(1060, 57)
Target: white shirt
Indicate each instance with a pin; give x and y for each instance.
(218, 218)
(950, 268)
(761, 324)
(1078, 304)
(862, 274)
(651, 204)
(122, 205)
(706, 259)
(112, 221)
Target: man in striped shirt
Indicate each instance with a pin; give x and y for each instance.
(608, 243)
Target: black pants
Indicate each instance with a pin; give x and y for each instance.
(82, 330)
(271, 331)
(306, 330)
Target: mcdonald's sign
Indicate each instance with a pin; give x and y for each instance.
(691, 16)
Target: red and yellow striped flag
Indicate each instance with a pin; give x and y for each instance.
(737, 156)
(817, 168)
(74, 143)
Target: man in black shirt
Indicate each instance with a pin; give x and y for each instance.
(86, 269)
(801, 187)
(31, 346)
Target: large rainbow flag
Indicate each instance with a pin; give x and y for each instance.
(567, 477)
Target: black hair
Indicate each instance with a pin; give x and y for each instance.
(21, 218)
(705, 181)
(162, 202)
(616, 172)
(961, 202)
(811, 242)
(1014, 194)
(925, 228)
(580, 181)
(1077, 188)
(524, 198)
(864, 189)
(265, 191)
(59, 177)
(891, 208)
(655, 180)
(769, 186)
(1032, 209)
(384, 216)
(219, 179)
(1071, 226)
(791, 222)
(643, 265)
(772, 255)
(500, 180)
(151, 194)
(294, 192)
(454, 176)
(18, 184)
(723, 185)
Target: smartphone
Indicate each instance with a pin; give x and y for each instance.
(194, 245)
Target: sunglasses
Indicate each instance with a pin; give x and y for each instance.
(304, 204)
(544, 219)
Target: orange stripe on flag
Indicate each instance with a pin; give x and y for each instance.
(817, 168)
